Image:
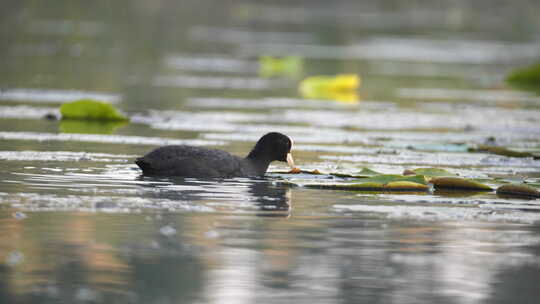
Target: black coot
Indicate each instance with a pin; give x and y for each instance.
(189, 161)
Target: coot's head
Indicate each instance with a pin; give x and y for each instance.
(273, 146)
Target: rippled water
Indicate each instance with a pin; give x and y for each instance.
(79, 224)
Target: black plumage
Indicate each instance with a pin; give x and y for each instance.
(189, 161)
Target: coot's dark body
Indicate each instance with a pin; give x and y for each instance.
(194, 162)
(189, 161)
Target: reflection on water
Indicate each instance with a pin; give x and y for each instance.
(77, 257)
(79, 224)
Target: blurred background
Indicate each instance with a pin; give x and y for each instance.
(79, 225)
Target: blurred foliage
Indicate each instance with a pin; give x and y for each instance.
(88, 109)
(290, 66)
(341, 88)
(526, 78)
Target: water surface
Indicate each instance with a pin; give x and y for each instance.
(79, 224)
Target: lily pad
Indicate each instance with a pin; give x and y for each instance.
(458, 183)
(88, 109)
(388, 178)
(339, 88)
(383, 182)
(365, 172)
(503, 151)
(527, 78)
(519, 190)
(429, 172)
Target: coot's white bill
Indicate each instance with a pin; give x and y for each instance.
(290, 160)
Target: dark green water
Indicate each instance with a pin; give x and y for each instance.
(78, 224)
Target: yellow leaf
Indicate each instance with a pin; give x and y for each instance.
(339, 88)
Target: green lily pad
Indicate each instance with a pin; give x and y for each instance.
(388, 178)
(429, 172)
(458, 183)
(518, 190)
(365, 172)
(527, 78)
(503, 151)
(383, 182)
(88, 109)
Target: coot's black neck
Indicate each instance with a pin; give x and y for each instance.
(259, 160)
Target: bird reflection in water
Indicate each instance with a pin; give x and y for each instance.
(270, 198)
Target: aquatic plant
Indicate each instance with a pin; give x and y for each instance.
(89, 109)
(341, 88)
(527, 77)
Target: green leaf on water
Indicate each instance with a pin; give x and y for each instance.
(527, 77)
(365, 172)
(383, 182)
(458, 183)
(503, 151)
(429, 172)
(88, 109)
(519, 190)
(387, 178)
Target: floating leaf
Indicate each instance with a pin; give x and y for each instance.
(285, 66)
(409, 172)
(503, 151)
(88, 109)
(372, 186)
(340, 87)
(527, 78)
(365, 172)
(429, 172)
(383, 182)
(520, 190)
(388, 178)
(458, 183)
